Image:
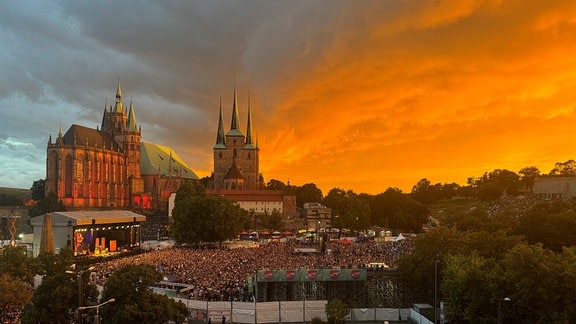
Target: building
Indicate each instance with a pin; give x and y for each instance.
(316, 216)
(111, 167)
(87, 232)
(554, 188)
(236, 158)
(261, 202)
(236, 172)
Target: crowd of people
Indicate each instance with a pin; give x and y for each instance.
(221, 273)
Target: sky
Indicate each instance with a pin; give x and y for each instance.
(357, 95)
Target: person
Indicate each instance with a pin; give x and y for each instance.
(223, 319)
(209, 320)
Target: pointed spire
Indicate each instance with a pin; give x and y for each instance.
(220, 139)
(104, 115)
(60, 130)
(132, 118)
(249, 143)
(234, 126)
(118, 107)
(235, 119)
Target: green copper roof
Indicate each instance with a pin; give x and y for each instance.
(159, 159)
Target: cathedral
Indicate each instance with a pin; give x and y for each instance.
(111, 167)
(236, 159)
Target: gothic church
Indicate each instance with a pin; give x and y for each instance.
(236, 159)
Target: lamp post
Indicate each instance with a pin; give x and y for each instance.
(80, 292)
(97, 318)
(500, 315)
(435, 291)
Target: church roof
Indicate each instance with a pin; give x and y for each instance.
(234, 173)
(160, 159)
(81, 135)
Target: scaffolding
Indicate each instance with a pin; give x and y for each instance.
(10, 225)
(380, 289)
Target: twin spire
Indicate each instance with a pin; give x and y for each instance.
(234, 125)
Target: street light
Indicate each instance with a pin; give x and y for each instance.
(500, 315)
(80, 293)
(97, 318)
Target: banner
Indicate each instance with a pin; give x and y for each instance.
(298, 275)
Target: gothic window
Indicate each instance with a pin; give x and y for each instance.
(68, 176)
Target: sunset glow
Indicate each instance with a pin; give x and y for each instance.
(356, 95)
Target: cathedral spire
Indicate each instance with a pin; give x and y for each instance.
(234, 126)
(118, 107)
(220, 139)
(235, 119)
(132, 119)
(249, 143)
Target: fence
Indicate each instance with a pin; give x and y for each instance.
(282, 312)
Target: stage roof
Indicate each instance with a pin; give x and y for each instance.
(78, 218)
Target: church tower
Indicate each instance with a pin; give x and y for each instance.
(95, 168)
(235, 153)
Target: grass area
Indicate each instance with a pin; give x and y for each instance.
(452, 206)
(23, 194)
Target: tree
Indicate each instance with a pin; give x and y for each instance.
(336, 310)
(308, 193)
(58, 295)
(48, 204)
(348, 209)
(425, 192)
(37, 189)
(135, 302)
(15, 262)
(418, 267)
(14, 294)
(274, 221)
(566, 169)
(393, 209)
(274, 184)
(528, 176)
(553, 224)
(204, 218)
(536, 285)
(468, 287)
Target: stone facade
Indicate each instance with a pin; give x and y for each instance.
(103, 168)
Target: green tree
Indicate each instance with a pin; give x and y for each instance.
(349, 210)
(535, 285)
(308, 193)
(15, 262)
(37, 189)
(468, 287)
(56, 299)
(552, 224)
(395, 210)
(274, 184)
(425, 192)
(336, 310)
(135, 302)
(204, 218)
(435, 246)
(565, 169)
(528, 176)
(14, 294)
(274, 221)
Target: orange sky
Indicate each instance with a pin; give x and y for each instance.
(359, 95)
(443, 90)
